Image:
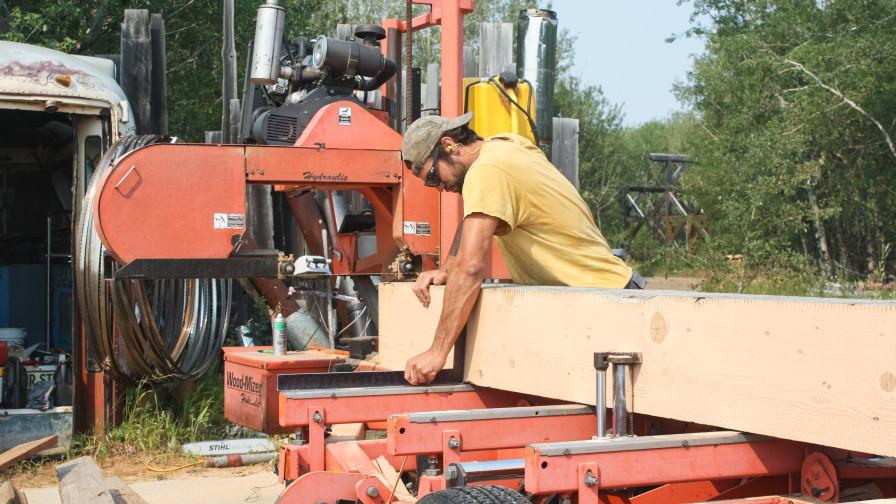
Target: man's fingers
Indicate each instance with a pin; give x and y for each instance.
(411, 374)
(421, 289)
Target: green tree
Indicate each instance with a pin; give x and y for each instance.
(796, 104)
(193, 42)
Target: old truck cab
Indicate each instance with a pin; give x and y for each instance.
(58, 113)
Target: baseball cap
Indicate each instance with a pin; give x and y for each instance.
(423, 134)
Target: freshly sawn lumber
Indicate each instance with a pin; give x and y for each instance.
(815, 370)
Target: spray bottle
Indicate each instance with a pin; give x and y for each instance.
(278, 326)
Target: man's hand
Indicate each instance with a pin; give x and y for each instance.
(424, 280)
(422, 368)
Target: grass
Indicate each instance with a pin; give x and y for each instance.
(157, 419)
(782, 275)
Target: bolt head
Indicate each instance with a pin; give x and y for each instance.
(372, 491)
(453, 443)
(590, 479)
(451, 473)
(317, 417)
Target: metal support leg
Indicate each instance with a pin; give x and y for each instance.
(601, 365)
(620, 406)
(622, 361)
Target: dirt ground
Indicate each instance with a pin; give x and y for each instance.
(674, 283)
(39, 475)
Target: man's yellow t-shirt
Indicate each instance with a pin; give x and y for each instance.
(550, 237)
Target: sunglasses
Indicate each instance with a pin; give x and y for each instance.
(432, 176)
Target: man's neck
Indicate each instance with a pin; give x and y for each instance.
(470, 152)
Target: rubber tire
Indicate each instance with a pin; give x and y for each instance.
(492, 494)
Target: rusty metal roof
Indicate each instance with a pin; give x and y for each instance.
(29, 70)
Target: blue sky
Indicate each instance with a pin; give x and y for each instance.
(621, 47)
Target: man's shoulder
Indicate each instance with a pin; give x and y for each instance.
(499, 151)
(507, 140)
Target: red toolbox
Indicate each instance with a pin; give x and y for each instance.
(250, 383)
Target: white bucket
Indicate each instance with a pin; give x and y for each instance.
(13, 335)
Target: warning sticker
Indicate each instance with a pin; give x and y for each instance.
(229, 221)
(420, 228)
(424, 229)
(345, 116)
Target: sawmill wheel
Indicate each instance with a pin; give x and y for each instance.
(475, 495)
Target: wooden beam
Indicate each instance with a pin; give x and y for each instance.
(135, 75)
(24, 450)
(815, 370)
(495, 48)
(122, 493)
(565, 150)
(81, 481)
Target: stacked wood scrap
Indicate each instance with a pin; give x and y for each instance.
(820, 371)
(82, 481)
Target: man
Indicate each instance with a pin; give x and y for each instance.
(544, 229)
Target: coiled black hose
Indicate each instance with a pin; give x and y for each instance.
(156, 330)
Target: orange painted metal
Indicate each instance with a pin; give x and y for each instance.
(96, 403)
(371, 490)
(770, 485)
(406, 437)
(774, 499)
(322, 168)
(295, 460)
(429, 484)
(316, 413)
(626, 469)
(819, 478)
(418, 223)
(321, 486)
(294, 412)
(452, 42)
(586, 473)
(172, 201)
(853, 469)
(250, 383)
(348, 125)
(417, 200)
(692, 491)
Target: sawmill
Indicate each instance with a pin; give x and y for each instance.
(551, 395)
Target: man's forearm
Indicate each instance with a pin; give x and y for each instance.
(461, 293)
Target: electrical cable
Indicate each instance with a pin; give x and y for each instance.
(347, 326)
(517, 105)
(172, 469)
(157, 330)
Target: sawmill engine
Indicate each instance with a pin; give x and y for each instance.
(294, 79)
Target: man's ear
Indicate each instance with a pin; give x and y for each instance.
(447, 144)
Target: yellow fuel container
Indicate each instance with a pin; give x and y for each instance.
(493, 112)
